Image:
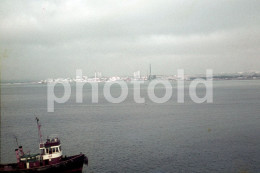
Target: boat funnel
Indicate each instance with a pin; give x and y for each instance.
(17, 155)
(21, 150)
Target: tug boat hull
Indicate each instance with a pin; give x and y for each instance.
(66, 165)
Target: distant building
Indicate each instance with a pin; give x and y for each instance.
(137, 75)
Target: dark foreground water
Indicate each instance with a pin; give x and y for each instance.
(223, 136)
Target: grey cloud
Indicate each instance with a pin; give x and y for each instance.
(53, 38)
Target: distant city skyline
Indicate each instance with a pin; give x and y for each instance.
(99, 77)
(44, 39)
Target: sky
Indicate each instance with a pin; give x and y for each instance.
(49, 39)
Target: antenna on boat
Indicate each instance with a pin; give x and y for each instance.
(39, 130)
(16, 141)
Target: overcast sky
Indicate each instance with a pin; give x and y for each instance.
(44, 39)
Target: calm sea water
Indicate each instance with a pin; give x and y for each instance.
(222, 136)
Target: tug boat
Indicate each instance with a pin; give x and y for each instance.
(49, 160)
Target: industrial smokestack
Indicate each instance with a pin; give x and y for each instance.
(150, 69)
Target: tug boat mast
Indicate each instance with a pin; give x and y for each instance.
(51, 152)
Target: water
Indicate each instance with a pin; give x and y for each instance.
(222, 136)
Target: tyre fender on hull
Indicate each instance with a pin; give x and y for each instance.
(86, 160)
